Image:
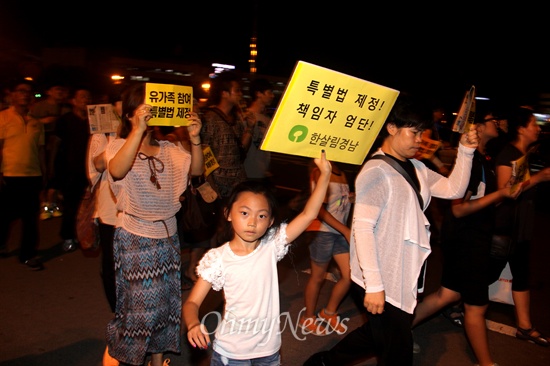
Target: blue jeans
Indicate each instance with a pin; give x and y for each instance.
(219, 360)
(324, 245)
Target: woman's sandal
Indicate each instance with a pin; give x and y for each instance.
(527, 335)
(455, 315)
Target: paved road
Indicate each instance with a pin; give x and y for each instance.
(58, 316)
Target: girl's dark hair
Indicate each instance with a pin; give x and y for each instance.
(518, 117)
(407, 112)
(132, 97)
(255, 187)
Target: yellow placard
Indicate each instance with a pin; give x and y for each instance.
(428, 147)
(520, 173)
(325, 109)
(171, 104)
(210, 162)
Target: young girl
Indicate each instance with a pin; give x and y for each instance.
(328, 237)
(246, 269)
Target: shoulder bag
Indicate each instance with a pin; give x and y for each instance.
(199, 205)
(87, 226)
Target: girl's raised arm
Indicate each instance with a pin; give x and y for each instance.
(300, 223)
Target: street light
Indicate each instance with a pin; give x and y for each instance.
(117, 78)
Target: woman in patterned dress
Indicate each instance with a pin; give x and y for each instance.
(147, 178)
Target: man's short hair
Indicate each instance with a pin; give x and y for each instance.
(219, 84)
(259, 86)
(14, 83)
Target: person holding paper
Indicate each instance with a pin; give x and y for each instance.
(515, 218)
(106, 211)
(390, 237)
(467, 231)
(73, 133)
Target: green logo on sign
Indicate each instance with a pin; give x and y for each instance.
(298, 133)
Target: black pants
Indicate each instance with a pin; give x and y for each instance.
(20, 199)
(106, 233)
(72, 195)
(386, 336)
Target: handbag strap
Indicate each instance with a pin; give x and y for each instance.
(403, 172)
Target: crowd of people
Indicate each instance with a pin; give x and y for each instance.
(376, 230)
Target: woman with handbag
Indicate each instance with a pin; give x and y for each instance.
(105, 205)
(516, 218)
(147, 177)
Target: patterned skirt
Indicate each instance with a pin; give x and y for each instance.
(148, 289)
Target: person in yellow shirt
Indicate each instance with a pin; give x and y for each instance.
(22, 175)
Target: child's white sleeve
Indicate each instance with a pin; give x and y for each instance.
(279, 240)
(210, 268)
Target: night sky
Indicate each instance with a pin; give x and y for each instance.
(437, 51)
